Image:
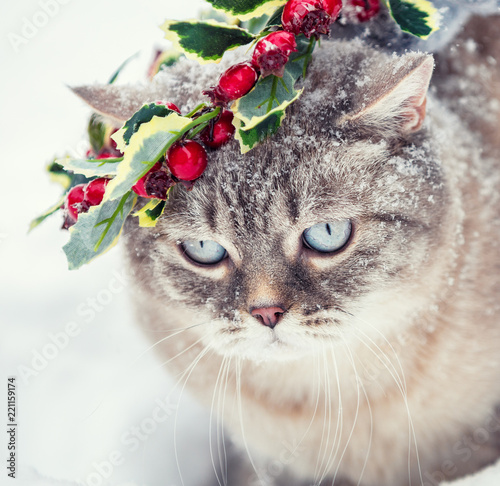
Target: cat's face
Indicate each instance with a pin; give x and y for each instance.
(302, 241)
(324, 233)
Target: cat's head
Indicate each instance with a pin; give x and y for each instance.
(324, 229)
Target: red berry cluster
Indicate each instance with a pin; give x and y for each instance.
(271, 53)
(81, 197)
(184, 162)
(186, 159)
(310, 17)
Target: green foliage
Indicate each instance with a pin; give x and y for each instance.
(250, 138)
(47, 213)
(246, 9)
(97, 133)
(91, 167)
(98, 230)
(150, 213)
(417, 17)
(146, 147)
(205, 41)
(144, 115)
(270, 97)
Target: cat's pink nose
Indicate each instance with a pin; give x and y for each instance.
(269, 316)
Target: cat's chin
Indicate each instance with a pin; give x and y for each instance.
(266, 345)
(275, 351)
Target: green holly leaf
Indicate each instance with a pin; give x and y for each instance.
(246, 9)
(205, 41)
(249, 138)
(150, 213)
(98, 230)
(271, 95)
(47, 213)
(418, 17)
(120, 68)
(58, 174)
(275, 18)
(256, 25)
(97, 133)
(145, 147)
(91, 167)
(143, 115)
(66, 179)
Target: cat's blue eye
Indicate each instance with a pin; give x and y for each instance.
(328, 237)
(206, 252)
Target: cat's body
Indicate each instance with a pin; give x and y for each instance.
(385, 367)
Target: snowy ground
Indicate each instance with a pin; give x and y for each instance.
(93, 403)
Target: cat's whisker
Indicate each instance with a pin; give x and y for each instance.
(222, 406)
(224, 456)
(383, 358)
(125, 371)
(328, 401)
(240, 411)
(403, 389)
(358, 404)
(381, 334)
(180, 353)
(175, 332)
(333, 448)
(187, 372)
(213, 409)
(359, 383)
(402, 379)
(317, 376)
(323, 447)
(339, 426)
(401, 384)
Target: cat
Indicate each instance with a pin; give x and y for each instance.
(342, 314)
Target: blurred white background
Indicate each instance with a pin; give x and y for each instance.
(79, 397)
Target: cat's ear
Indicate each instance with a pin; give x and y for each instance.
(395, 103)
(118, 103)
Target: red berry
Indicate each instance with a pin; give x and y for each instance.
(333, 8)
(234, 83)
(310, 17)
(187, 160)
(158, 183)
(94, 191)
(169, 105)
(272, 52)
(365, 9)
(221, 131)
(106, 155)
(138, 187)
(75, 204)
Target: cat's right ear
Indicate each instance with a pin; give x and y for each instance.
(117, 103)
(394, 103)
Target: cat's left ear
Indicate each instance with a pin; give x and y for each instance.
(118, 103)
(395, 103)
